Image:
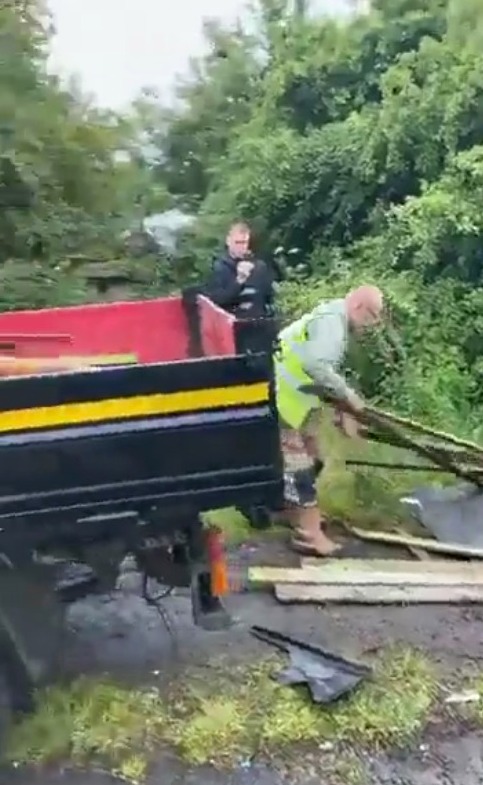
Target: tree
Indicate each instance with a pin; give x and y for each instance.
(214, 99)
(60, 178)
(360, 142)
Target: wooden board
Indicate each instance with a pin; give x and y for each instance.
(427, 543)
(107, 359)
(379, 572)
(18, 366)
(320, 570)
(419, 553)
(378, 594)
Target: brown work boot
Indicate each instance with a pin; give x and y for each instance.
(313, 544)
(309, 537)
(308, 542)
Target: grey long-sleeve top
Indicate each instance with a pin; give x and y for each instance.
(322, 354)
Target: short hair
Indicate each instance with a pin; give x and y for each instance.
(241, 226)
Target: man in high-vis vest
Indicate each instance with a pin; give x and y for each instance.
(311, 351)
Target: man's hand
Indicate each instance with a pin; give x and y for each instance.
(349, 426)
(355, 402)
(243, 271)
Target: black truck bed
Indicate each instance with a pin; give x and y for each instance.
(100, 462)
(200, 433)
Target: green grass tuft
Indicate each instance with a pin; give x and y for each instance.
(235, 714)
(91, 721)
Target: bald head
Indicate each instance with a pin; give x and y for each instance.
(364, 306)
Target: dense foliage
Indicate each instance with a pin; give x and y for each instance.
(357, 141)
(64, 188)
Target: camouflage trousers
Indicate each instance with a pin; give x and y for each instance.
(301, 463)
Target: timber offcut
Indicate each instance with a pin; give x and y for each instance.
(375, 581)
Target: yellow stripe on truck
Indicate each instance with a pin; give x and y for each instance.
(137, 406)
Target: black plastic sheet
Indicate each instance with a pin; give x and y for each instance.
(328, 676)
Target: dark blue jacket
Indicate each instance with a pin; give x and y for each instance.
(250, 300)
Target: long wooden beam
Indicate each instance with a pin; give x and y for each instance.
(373, 572)
(378, 594)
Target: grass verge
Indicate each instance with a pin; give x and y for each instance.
(233, 716)
(91, 720)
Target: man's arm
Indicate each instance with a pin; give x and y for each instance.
(323, 352)
(221, 288)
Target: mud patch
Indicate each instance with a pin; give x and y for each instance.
(450, 761)
(445, 762)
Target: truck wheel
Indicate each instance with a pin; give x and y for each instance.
(6, 707)
(16, 690)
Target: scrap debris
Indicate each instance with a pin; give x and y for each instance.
(451, 514)
(462, 458)
(327, 675)
(424, 543)
(470, 696)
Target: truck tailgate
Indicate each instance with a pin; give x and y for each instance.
(201, 433)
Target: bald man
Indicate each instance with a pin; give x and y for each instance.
(312, 350)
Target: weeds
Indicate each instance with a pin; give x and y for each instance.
(231, 717)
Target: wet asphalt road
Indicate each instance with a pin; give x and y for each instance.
(120, 634)
(451, 762)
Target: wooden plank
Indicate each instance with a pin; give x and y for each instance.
(442, 567)
(427, 543)
(25, 366)
(386, 572)
(419, 553)
(378, 595)
(107, 359)
(32, 366)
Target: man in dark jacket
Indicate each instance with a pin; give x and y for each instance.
(239, 283)
(244, 286)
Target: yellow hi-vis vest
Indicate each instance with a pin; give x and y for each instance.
(293, 406)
